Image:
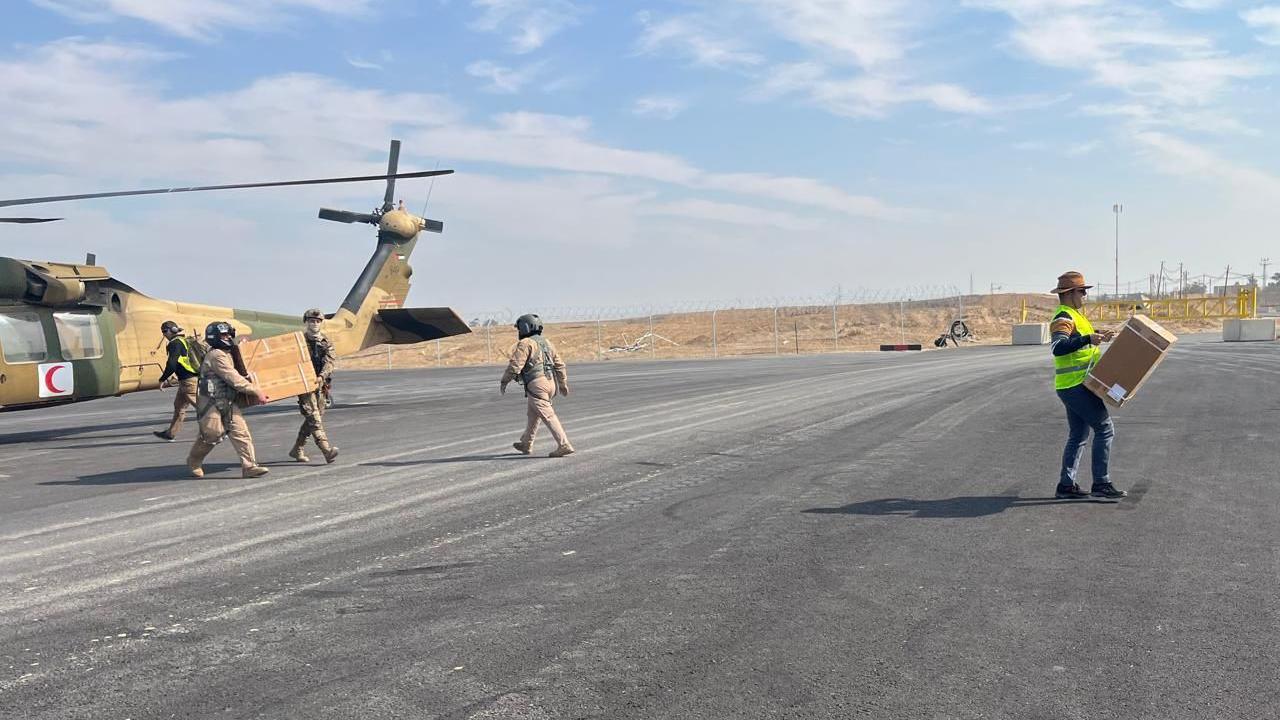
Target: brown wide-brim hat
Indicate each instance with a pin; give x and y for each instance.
(1068, 281)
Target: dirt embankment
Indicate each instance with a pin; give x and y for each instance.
(759, 331)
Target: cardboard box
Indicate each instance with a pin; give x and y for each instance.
(280, 365)
(1129, 360)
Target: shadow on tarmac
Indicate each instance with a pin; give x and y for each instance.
(964, 506)
(155, 473)
(456, 459)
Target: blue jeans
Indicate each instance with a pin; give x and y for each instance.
(1086, 411)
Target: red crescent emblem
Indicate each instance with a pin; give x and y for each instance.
(48, 380)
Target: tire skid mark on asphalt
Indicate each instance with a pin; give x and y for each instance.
(323, 470)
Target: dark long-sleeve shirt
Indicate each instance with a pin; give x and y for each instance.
(1065, 338)
(176, 350)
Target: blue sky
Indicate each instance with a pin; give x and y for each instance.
(638, 153)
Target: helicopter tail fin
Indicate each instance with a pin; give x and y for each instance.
(372, 314)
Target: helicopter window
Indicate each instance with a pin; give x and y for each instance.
(22, 338)
(79, 336)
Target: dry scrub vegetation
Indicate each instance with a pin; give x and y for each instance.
(741, 332)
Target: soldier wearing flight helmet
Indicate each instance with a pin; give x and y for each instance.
(312, 405)
(536, 364)
(221, 389)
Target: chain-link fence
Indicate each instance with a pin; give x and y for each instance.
(841, 322)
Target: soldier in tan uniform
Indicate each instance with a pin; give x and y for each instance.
(218, 405)
(184, 369)
(536, 364)
(312, 405)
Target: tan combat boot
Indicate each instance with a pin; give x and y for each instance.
(196, 472)
(561, 451)
(330, 452)
(523, 448)
(256, 471)
(297, 454)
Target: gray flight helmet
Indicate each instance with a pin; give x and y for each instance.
(527, 325)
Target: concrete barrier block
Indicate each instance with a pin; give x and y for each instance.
(1031, 334)
(1255, 330)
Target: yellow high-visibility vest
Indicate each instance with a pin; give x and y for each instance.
(1071, 370)
(187, 359)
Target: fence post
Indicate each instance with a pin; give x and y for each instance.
(775, 330)
(437, 353)
(902, 327)
(835, 328)
(599, 348)
(388, 356)
(488, 342)
(653, 341)
(715, 351)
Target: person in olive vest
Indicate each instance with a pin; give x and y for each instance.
(1075, 351)
(312, 405)
(223, 383)
(536, 364)
(183, 366)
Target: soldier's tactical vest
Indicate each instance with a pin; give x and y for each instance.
(539, 366)
(215, 388)
(188, 358)
(319, 347)
(1072, 369)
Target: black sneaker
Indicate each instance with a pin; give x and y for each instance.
(1070, 492)
(164, 436)
(1107, 491)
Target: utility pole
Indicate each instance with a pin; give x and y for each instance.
(1160, 281)
(1117, 209)
(1265, 262)
(1179, 281)
(1226, 280)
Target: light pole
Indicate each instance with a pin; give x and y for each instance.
(1265, 262)
(1117, 209)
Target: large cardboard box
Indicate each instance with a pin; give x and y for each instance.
(280, 365)
(1135, 352)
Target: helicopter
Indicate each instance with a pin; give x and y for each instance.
(74, 332)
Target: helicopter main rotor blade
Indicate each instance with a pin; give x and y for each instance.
(344, 216)
(393, 161)
(390, 178)
(28, 220)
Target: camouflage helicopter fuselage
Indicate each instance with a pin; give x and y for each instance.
(72, 332)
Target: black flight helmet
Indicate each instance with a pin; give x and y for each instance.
(527, 325)
(213, 335)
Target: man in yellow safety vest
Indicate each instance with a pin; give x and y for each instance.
(183, 366)
(1075, 352)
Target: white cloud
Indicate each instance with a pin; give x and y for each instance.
(361, 63)
(866, 33)
(528, 23)
(659, 106)
(732, 214)
(1200, 5)
(864, 95)
(690, 36)
(72, 124)
(201, 20)
(1124, 48)
(1179, 157)
(503, 79)
(1266, 20)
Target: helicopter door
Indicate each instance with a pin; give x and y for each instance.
(84, 342)
(24, 346)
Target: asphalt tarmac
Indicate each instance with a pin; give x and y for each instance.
(849, 535)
